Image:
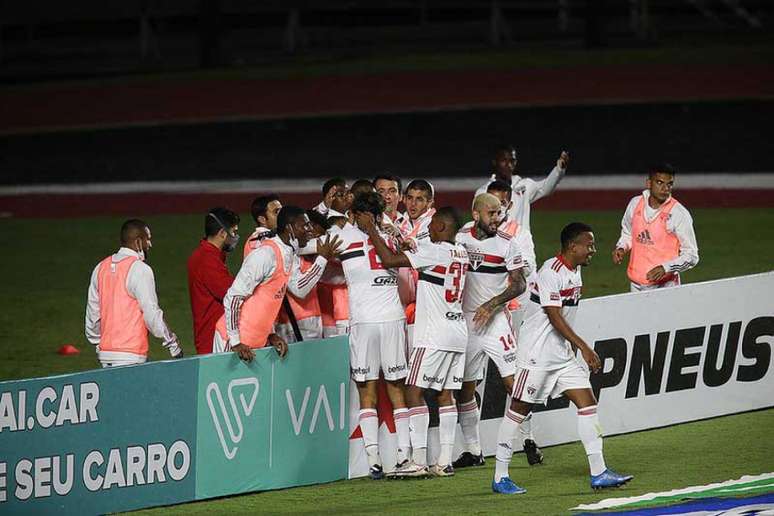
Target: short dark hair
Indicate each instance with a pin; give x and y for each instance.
(663, 168)
(421, 185)
(450, 216)
(287, 215)
(369, 202)
(499, 185)
(131, 228)
(388, 177)
(361, 186)
(572, 231)
(315, 217)
(261, 204)
(219, 218)
(504, 147)
(330, 183)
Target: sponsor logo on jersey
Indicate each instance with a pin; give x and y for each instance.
(433, 379)
(509, 357)
(396, 369)
(385, 281)
(457, 379)
(555, 296)
(454, 316)
(360, 370)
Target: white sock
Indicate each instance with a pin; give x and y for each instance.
(446, 427)
(525, 429)
(369, 425)
(469, 425)
(401, 417)
(419, 420)
(591, 436)
(505, 435)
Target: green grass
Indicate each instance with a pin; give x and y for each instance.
(47, 265)
(679, 456)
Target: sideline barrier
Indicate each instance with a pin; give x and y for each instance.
(670, 356)
(175, 431)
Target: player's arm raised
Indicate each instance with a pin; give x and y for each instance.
(558, 321)
(515, 287)
(390, 259)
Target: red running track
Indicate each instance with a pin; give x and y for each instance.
(144, 204)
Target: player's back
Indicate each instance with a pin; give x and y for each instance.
(442, 272)
(373, 290)
(490, 260)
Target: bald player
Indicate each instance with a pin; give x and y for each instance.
(122, 304)
(497, 275)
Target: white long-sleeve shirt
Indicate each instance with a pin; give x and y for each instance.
(141, 285)
(679, 224)
(526, 191)
(257, 268)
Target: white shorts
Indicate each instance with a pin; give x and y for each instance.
(536, 386)
(409, 339)
(375, 346)
(436, 369)
(495, 341)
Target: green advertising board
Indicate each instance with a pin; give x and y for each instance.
(175, 431)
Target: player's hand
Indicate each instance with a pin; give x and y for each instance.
(483, 315)
(410, 244)
(591, 358)
(564, 160)
(365, 221)
(175, 351)
(244, 352)
(618, 255)
(656, 273)
(329, 247)
(279, 344)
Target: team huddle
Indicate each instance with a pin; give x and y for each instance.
(427, 303)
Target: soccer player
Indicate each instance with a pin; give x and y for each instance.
(334, 192)
(264, 210)
(122, 305)
(518, 309)
(377, 332)
(438, 358)
(252, 303)
(306, 310)
(658, 231)
(390, 188)
(496, 275)
(419, 210)
(547, 363)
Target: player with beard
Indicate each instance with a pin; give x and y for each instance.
(496, 276)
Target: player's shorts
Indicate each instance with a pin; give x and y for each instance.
(436, 369)
(378, 346)
(495, 341)
(536, 386)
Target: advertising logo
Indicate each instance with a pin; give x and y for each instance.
(246, 401)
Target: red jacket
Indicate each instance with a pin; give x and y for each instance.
(208, 281)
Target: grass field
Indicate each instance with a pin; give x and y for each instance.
(679, 456)
(47, 265)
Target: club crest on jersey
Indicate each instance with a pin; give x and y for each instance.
(476, 259)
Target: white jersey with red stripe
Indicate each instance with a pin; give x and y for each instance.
(491, 260)
(541, 346)
(373, 290)
(439, 321)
